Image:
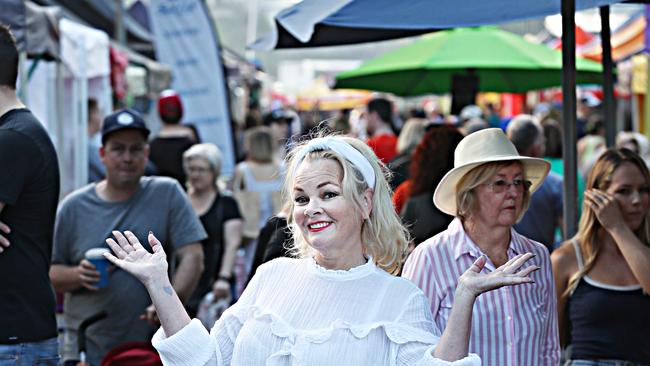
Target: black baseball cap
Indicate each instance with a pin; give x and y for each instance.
(276, 115)
(121, 120)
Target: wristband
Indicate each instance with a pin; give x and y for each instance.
(224, 278)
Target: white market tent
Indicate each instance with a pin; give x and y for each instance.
(57, 93)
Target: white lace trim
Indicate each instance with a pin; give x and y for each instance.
(605, 286)
(340, 274)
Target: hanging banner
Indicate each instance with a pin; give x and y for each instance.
(186, 41)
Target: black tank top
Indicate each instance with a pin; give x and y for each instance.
(608, 322)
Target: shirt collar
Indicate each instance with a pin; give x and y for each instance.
(463, 244)
(516, 243)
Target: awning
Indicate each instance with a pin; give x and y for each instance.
(84, 50)
(314, 23)
(36, 28)
(627, 41)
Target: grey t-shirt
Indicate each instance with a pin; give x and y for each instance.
(84, 221)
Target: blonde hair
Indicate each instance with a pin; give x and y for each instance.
(259, 144)
(411, 135)
(466, 201)
(589, 227)
(382, 235)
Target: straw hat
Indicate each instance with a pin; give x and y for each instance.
(484, 146)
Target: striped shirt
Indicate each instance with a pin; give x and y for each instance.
(513, 325)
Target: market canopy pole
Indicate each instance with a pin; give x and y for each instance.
(570, 212)
(609, 103)
(120, 29)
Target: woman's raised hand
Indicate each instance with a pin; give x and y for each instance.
(476, 283)
(132, 257)
(605, 207)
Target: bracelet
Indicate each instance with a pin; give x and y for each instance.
(224, 278)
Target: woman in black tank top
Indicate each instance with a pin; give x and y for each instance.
(602, 274)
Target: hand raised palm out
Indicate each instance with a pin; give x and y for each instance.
(507, 275)
(132, 257)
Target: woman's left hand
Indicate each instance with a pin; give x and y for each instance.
(475, 283)
(605, 207)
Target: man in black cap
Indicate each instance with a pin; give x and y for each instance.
(124, 200)
(29, 192)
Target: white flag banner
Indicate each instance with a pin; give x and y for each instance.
(185, 40)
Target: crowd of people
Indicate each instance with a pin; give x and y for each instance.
(422, 243)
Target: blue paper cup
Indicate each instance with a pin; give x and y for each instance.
(96, 257)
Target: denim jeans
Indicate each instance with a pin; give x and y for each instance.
(43, 353)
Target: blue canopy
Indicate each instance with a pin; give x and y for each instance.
(314, 23)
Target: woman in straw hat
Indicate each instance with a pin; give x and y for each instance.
(337, 304)
(603, 272)
(488, 192)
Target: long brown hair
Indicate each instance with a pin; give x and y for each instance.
(433, 158)
(589, 228)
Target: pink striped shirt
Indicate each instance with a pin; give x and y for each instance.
(514, 325)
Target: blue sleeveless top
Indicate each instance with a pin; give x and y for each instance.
(608, 322)
(264, 189)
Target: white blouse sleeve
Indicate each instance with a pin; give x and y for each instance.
(417, 347)
(193, 346)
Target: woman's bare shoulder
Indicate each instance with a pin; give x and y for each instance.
(564, 258)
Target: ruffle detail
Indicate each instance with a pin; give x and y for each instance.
(339, 274)
(293, 338)
(190, 346)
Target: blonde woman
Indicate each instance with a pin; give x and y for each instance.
(602, 274)
(257, 186)
(339, 303)
(258, 181)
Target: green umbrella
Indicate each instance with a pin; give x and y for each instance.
(502, 61)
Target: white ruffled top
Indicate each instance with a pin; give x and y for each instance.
(295, 312)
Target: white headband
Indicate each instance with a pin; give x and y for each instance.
(342, 148)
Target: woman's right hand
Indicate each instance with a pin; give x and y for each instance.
(132, 257)
(221, 289)
(605, 208)
(475, 283)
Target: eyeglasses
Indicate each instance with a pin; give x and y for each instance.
(500, 186)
